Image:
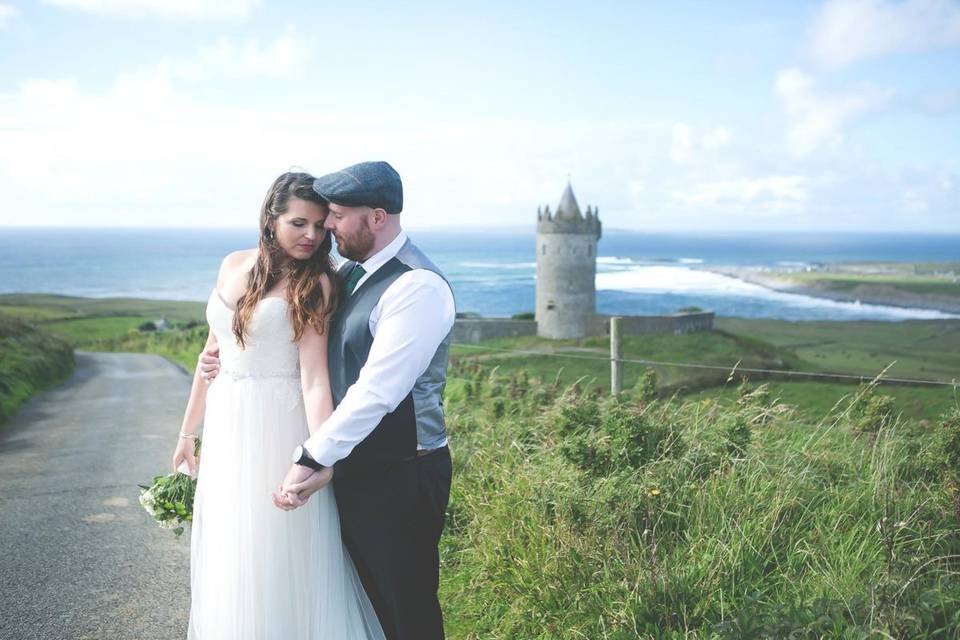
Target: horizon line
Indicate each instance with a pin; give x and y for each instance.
(507, 228)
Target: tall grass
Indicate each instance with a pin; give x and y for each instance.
(30, 360)
(578, 516)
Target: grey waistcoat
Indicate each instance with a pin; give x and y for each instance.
(418, 420)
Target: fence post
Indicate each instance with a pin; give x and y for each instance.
(616, 356)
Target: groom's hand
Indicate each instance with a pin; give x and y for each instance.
(313, 483)
(295, 494)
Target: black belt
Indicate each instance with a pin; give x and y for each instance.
(422, 453)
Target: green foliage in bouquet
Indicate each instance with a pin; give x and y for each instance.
(170, 499)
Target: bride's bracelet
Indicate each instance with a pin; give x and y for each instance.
(189, 436)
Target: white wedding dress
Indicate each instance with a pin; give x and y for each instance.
(258, 572)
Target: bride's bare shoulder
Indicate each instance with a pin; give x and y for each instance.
(235, 264)
(243, 260)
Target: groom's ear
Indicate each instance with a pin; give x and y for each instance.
(379, 217)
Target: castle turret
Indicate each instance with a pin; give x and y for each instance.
(566, 268)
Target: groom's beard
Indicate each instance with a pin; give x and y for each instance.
(357, 246)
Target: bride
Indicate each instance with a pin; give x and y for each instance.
(259, 572)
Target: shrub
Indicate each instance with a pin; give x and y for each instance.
(869, 413)
(645, 388)
(605, 437)
(945, 456)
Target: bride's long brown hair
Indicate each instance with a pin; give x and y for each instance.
(308, 304)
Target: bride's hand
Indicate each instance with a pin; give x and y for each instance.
(184, 453)
(294, 495)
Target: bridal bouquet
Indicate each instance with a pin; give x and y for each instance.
(170, 500)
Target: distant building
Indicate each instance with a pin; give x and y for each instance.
(566, 268)
(566, 287)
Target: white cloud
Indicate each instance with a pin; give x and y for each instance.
(145, 152)
(847, 31)
(7, 13)
(682, 146)
(686, 145)
(715, 139)
(817, 119)
(286, 55)
(175, 9)
(771, 194)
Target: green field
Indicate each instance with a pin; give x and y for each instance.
(41, 306)
(849, 281)
(923, 350)
(927, 349)
(111, 324)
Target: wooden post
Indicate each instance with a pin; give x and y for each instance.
(616, 356)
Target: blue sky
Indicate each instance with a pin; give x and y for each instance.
(841, 115)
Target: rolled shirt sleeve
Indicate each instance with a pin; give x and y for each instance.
(416, 313)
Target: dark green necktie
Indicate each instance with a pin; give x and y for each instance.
(354, 278)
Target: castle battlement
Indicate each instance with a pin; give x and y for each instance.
(568, 218)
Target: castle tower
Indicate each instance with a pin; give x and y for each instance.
(566, 268)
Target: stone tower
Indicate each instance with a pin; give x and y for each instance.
(566, 268)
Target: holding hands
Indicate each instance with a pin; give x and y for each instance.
(301, 483)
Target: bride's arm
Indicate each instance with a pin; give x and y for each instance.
(197, 403)
(314, 372)
(193, 415)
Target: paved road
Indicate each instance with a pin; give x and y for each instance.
(79, 558)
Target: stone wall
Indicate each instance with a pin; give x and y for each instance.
(676, 324)
(474, 330)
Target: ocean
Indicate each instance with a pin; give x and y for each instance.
(493, 273)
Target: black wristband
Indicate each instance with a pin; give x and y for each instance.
(306, 461)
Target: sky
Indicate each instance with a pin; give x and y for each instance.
(841, 115)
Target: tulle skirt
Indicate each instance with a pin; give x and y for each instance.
(258, 572)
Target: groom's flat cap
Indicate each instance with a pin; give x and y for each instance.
(368, 184)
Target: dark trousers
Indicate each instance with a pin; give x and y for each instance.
(391, 521)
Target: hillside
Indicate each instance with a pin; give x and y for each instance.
(30, 360)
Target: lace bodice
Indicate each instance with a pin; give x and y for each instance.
(270, 350)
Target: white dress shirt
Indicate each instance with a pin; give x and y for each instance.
(413, 316)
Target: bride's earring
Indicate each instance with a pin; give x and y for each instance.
(268, 233)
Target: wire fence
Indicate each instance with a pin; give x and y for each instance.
(731, 369)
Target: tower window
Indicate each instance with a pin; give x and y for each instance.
(590, 250)
(543, 249)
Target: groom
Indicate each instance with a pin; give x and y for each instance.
(385, 444)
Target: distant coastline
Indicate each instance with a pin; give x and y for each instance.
(904, 285)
